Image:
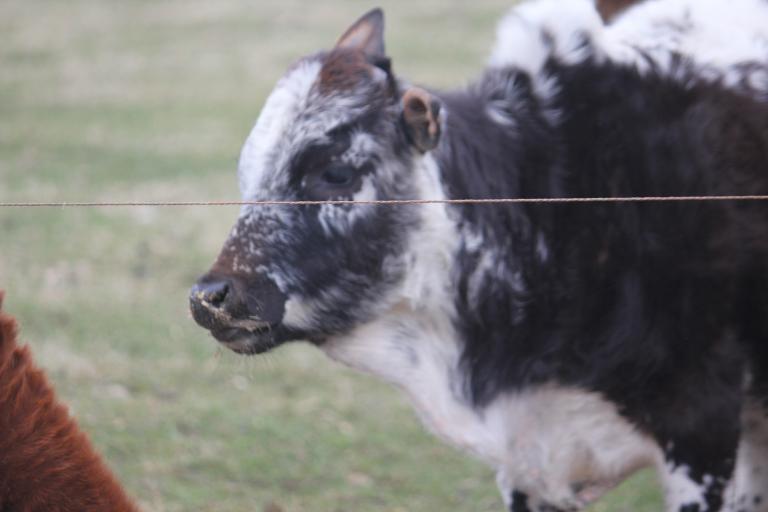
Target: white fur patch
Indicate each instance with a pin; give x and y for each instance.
(537, 31)
(718, 37)
(432, 247)
(299, 314)
(566, 447)
(420, 354)
(362, 145)
(749, 489)
(279, 112)
(680, 489)
(714, 34)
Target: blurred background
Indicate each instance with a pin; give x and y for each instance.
(150, 100)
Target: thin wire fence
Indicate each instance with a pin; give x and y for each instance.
(512, 200)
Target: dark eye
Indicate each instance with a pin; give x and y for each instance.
(339, 175)
(333, 180)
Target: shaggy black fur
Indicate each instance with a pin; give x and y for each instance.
(661, 307)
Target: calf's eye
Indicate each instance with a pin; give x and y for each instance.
(336, 180)
(339, 176)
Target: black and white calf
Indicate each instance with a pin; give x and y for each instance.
(567, 345)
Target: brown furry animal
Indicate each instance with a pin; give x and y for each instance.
(46, 462)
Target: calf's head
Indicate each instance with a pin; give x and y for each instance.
(338, 125)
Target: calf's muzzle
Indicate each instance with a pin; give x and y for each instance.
(236, 307)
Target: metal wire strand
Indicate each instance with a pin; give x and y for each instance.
(511, 200)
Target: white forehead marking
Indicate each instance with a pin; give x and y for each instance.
(279, 112)
(297, 114)
(361, 147)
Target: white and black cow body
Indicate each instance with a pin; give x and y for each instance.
(569, 344)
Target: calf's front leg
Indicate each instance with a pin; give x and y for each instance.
(519, 501)
(699, 454)
(695, 489)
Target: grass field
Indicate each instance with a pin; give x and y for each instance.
(145, 100)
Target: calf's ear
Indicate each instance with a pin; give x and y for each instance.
(421, 118)
(366, 34)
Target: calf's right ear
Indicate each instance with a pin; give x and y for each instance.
(421, 118)
(366, 35)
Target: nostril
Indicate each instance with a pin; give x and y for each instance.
(217, 293)
(213, 293)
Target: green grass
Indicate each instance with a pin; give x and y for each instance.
(100, 100)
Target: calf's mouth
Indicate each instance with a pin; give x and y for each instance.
(243, 315)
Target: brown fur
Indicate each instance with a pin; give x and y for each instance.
(609, 9)
(343, 69)
(46, 462)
